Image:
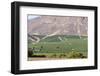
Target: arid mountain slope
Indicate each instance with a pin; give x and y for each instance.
(60, 25)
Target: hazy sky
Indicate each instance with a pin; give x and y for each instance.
(32, 17)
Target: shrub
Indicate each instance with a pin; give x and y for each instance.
(53, 56)
(62, 55)
(38, 55)
(30, 52)
(75, 54)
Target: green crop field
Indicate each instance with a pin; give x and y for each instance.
(60, 45)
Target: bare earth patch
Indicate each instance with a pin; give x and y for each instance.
(35, 59)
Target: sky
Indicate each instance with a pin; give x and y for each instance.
(32, 17)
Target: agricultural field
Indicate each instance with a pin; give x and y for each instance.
(58, 47)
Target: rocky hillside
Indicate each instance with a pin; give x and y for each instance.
(58, 25)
